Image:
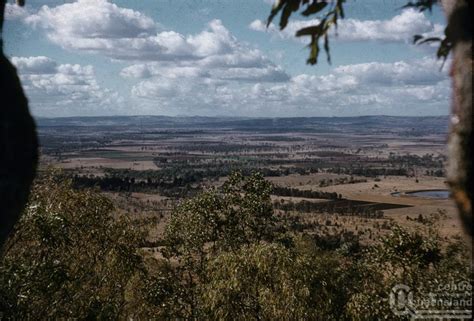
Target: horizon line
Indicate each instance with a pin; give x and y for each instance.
(236, 117)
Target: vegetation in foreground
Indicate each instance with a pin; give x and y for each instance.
(225, 255)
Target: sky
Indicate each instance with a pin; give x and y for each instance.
(217, 58)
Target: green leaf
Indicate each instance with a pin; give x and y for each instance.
(313, 8)
(310, 31)
(291, 6)
(275, 11)
(326, 47)
(313, 55)
(417, 39)
(340, 8)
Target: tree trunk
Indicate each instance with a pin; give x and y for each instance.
(459, 15)
(18, 145)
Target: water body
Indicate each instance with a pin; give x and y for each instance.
(434, 194)
(438, 194)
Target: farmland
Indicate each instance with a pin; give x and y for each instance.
(330, 175)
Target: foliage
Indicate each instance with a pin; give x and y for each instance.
(68, 257)
(227, 273)
(316, 32)
(411, 258)
(329, 12)
(226, 255)
(272, 282)
(240, 213)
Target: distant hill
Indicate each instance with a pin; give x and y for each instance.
(361, 124)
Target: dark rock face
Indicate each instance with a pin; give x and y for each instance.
(18, 146)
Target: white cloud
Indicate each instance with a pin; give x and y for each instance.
(34, 65)
(98, 26)
(372, 77)
(259, 25)
(62, 88)
(419, 72)
(89, 19)
(216, 40)
(208, 69)
(401, 28)
(211, 72)
(104, 28)
(139, 71)
(174, 89)
(167, 64)
(14, 12)
(404, 87)
(269, 74)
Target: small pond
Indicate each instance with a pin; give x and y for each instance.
(433, 193)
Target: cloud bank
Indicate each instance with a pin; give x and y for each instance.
(62, 88)
(401, 28)
(211, 72)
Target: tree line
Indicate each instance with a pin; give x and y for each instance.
(224, 255)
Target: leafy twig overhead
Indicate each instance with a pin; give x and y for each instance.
(328, 14)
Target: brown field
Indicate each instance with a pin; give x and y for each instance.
(365, 163)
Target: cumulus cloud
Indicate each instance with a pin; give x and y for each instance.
(400, 28)
(418, 72)
(89, 19)
(14, 12)
(165, 63)
(200, 82)
(366, 77)
(62, 88)
(175, 89)
(207, 84)
(34, 65)
(98, 26)
(124, 34)
(404, 87)
(211, 72)
(207, 69)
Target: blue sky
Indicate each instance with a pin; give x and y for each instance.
(216, 58)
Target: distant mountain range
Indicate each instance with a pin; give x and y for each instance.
(364, 124)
